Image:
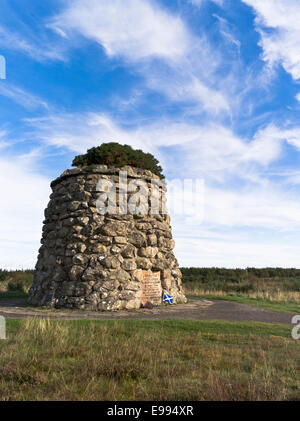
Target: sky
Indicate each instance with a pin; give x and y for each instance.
(210, 87)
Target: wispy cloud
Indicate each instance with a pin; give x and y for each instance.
(33, 48)
(233, 252)
(200, 2)
(182, 64)
(267, 207)
(277, 22)
(212, 148)
(26, 194)
(133, 29)
(3, 136)
(158, 45)
(227, 32)
(22, 97)
(213, 153)
(184, 88)
(198, 98)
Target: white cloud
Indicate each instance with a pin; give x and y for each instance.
(200, 2)
(79, 132)
(216, 152)
(164, 52)
(277, 21)
(14, 41)
(179, 88)
(291, 136)
(212, 153)
(135, 29)
(24, 196)
(219, 2)
(236, 253)
(211, 150)
(22, 97)
(227, 32)
(252, 227)
(3, 139)
(259, 207)
(259, 227)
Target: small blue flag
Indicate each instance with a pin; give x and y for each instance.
(167, 298)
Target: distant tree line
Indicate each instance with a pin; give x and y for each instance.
(236, 275)
(203, 274)
(218, 279)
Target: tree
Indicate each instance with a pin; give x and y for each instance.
(113, 153)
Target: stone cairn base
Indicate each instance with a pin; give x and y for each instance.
(95, 261)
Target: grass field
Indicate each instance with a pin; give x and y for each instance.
(148, 360)
(269, 302)
(12, 294)
(157, 360)
(271, 289)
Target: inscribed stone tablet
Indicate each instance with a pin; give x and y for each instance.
(151, 287)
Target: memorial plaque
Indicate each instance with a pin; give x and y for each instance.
(151, 287)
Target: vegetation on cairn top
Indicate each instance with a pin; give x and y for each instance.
(113, 153)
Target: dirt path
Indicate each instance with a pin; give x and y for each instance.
(196, 308)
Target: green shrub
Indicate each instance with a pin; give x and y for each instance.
(15, 285)
(3, 274)
(241, 280)
(113, 153)
(18, 280)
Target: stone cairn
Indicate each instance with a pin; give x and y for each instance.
(95, 261)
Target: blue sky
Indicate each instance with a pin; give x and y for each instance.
(210, 87)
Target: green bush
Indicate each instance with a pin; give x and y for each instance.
(18, 280)
(292, 276)
(3, 274)
(113, 153)
(20, 284)
(15, 285)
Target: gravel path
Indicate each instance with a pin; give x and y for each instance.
(196, 308)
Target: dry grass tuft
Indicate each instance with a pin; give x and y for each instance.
(45, 359)
(273, 296)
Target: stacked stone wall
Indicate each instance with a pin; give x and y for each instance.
(95, 261)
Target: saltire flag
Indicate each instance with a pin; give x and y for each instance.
(167, 298)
